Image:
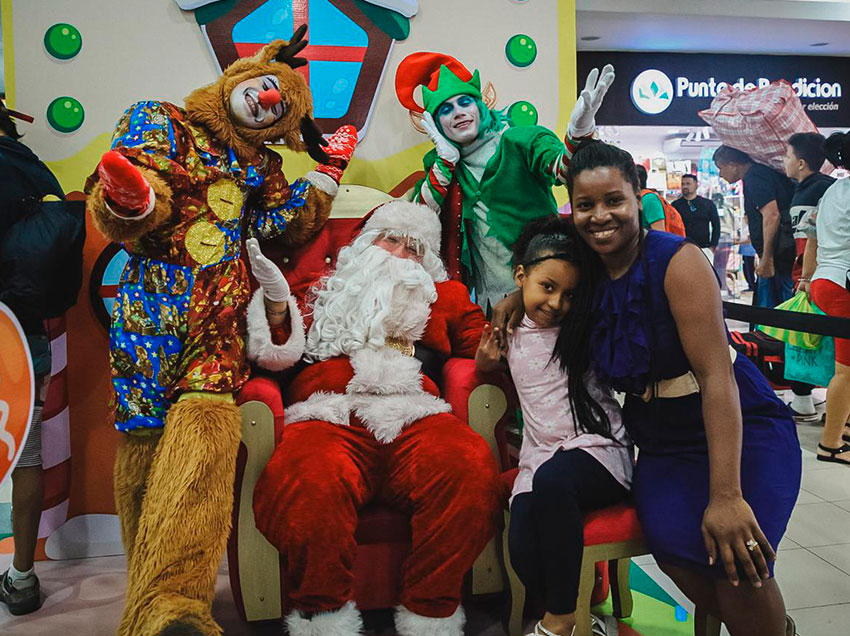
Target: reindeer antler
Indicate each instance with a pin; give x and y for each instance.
(296, 44)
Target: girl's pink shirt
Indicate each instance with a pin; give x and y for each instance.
(548, 423)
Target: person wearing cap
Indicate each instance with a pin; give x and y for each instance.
(485, 178)
(364, 423)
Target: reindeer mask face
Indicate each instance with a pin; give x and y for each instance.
(261, 99)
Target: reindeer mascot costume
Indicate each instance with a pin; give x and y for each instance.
(179, 188)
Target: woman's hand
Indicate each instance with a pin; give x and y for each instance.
(730, 529)
(489, 354)
(508, 312)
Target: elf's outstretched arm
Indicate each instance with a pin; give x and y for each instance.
(130, 192)
(583, 118)
(433, 189)
(296, 211)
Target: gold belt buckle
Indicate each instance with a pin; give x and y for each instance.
(404, 347)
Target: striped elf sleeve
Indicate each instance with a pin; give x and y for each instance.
(559, 168)
(435, 186)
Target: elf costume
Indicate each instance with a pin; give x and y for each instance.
(487, 190)
(178, 188)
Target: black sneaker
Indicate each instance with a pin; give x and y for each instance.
(20, 601)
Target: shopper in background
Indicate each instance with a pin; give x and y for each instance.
(804, 157)
(767, 203)
(830, 290)
(728, 232)
(24, 181)
(702, 223)
(767, 206)
(651, 207)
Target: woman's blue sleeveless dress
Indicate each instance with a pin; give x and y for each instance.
(634, 340)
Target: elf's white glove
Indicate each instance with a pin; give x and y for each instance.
(445, 150)
(274, 285)
(583, 118)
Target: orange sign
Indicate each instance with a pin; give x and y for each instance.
(17, 390)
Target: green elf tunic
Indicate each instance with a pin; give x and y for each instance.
(506, 180)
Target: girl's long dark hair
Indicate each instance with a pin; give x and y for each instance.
(555, 237)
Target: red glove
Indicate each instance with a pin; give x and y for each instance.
(125, 185)
(340, 148)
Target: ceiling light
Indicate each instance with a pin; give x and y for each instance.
(820, 44)
(593, 38)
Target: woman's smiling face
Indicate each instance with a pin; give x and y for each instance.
(606, 210)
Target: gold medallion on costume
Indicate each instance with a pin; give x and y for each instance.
(225, 199)
(205, 243)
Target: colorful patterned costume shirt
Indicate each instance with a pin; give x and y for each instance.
(180, 310)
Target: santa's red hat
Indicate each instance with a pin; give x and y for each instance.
(410, 219)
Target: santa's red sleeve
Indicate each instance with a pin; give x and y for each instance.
(278, 347)
(465, 320)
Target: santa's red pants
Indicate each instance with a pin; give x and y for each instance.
(437, 469)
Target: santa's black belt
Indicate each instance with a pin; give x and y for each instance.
(793, 320)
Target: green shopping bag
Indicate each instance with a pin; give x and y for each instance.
(813, 366)
(798, 339)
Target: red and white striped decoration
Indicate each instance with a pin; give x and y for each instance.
(56, 434)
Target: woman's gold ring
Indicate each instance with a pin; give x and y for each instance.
(751, 544)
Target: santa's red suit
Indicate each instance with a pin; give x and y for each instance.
(371, 426)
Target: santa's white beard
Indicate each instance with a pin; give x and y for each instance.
(371, 296)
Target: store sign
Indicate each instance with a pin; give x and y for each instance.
(671, 88)
(652, 92)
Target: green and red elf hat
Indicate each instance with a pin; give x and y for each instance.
(440, 76)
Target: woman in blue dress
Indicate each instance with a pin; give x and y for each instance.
(719, 463)
(719, 466)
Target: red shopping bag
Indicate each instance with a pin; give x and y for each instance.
(759, 121)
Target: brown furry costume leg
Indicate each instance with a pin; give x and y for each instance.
(132, 465)
(184, 522)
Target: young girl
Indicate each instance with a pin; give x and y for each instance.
(575, 455)
(719, 466)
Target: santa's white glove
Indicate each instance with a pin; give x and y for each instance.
(274, 285)
(445, 150)
(583, 118)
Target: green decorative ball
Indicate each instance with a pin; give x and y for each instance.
(521, 50)
(522, 114)
(63, 41)
(65, 114)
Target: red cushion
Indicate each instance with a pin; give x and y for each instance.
(607, 525)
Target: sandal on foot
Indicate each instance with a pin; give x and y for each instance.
(790, 626)
(833, 454)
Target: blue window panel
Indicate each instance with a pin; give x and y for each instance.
(271, 21)
(331, 27)
(332, 84)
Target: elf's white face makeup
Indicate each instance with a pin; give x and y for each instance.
(460, 119)
(256, 102)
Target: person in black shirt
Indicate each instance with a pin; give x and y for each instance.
(702, 223)
(767, 204)
(24, 179)
(803, 160)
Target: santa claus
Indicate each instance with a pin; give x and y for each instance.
(365, 423)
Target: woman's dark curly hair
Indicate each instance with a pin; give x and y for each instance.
(555, 237)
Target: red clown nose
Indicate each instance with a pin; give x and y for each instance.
(269, 98)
